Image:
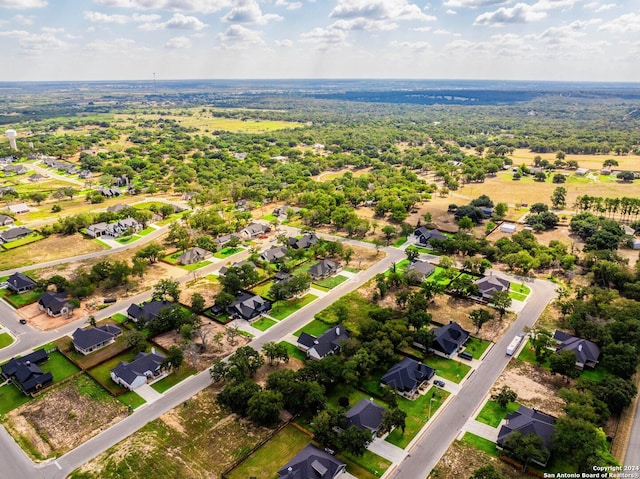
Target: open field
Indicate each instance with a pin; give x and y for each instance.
(593, 162)
(282, 309)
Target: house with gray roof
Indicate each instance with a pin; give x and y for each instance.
(249, 306)
(194, 255)
(136, 373)
(18, 208)
(273, 254)
(424, 235)
(449, 339)
(54, 304)
(587, 352)
(145, 312)
(25, 373)
(6, 220)
(329, 342)
(238, 264)
(114, 230)
(423, 269)
(312, 463)
(488, 285)
(88, 340)
(407, 377)
(305, 242)
(20, 282)
(220, 241)
(324, 269)
(528, 421)
(12, 234)
(366, 415)
(254, 230)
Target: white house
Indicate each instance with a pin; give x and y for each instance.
(508, 228)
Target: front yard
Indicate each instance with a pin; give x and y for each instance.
(449, 369)
(282, 309)
(227, 251)
(20, 300)
(5, 340)
(173, 378)
(476, 347)
(492, 413)
(314, 328)
(263, 323)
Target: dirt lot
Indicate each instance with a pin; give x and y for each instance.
(64, 418)
(561, 233)
(43, 321)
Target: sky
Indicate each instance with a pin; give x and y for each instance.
(565, 40)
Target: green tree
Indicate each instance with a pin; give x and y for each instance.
(151, 252)
(197, 303)
(525, 448)
(354, 440)
(91, 321)
(412, 253)
(564, 363)
(165, 289)
(501, 301)
(581, 443)
(620, 359)
(504, 396)
(244, 363)
(173, 359)
(135, 340)
(465, 223)
(542, 341)
(479, 317)
(38, 197)
(394, 417)
(486, 472)
(389, 232)
(559, 197)
(236, 396)
(264, 407)
(501, 210)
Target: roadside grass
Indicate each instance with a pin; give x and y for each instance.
(434, 252)
(367, 466)
(59, 366)
(476, 346)
(351, 270)
(5, 340)
(520, 288)
(32, 238)
(401, 267)
(315, 328)
(11, 398)
(146, 231)
(102, 243)
(294, 352)
(263, 289)
(528, 354)
(198, 265)
(119, 318)
(283, 309)
(227, 251)
(417, 415)
(263, 323)
(400, 241)
(266, 461)
(517, 296)
(492, 413)
(130, 398)
(20, 300)
(128, 239)
(448, 368)
(173, 378)
(480, 443)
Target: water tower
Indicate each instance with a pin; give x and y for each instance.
(12, 134)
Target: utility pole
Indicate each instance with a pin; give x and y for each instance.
(155, 90)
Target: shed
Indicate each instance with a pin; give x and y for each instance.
(508, 228)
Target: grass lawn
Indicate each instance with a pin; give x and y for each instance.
(119, 318)
(263, 289)
(294, 352)
(102, 372)
(173, 378)
(434, 252)
(282, 309)
(100, 242)
(269, 217)
(303, 268)
(401, 266)
(448, 368)
(32, 238)
(127, 239)
(400, 241)
(130, 398)
(146, 231)
(367, 466)
(597, 374)
(417, 415)
(354, 395)
(59, 366)
(20, 300)
(172, 258)
(227, 251)
(198, 265)
(358, 308)
(492, 413)
(5, 340)
(528, 354)
(520, 288)
(266, 461)
(11, 398)
(263, 323)
(438, 276)
(314, 328)
(517, 296)
(351, 270)
(476, 347)
(480, 443)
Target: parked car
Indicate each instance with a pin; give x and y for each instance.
(438, 382)
(23, 321)
(465, 355)
(109, 300)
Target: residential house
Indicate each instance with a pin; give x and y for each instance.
(36, 177)
(54, 304)
(238, 264)
(15, 170)
(249, 306)
(407, 377)
(488, 285)
(19, 283)
(424, 235)
(194, 255)
(509, 228)
(307, 241)
(528, 421)
(114, 230)
(7, 189)
(327, 343)
(587, 353)
(582, 171)
(145, 312)
(25, 373)
(136, 373)
(18, 208)
(117, 208)
(86, 341)
(324, 269)
(7, 160)
(85, 174)
(12, 234)
(254, 230)
(628, 230)
(220, 241)
(423, 269)
(121, 181)
(273, 254)
(281, 212)
(281, 277)
(449, 339)
(635, 243)
(6, 220)
(312, 463)
(110, 192)
(366, 415)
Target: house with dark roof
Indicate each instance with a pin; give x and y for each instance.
(54, 304)
(117, 208)
(145, 312)
(424, 235)
(136, 373)
(366, 415)
(249, 306)
(15, 169)
(220, 241)
(273, 254)
(85, 174)
(7, 189)
(449, 339)
(114, 230)
(88, 340)
(327, 343)
(488, 285)
(324, 269)
(423, 269)
(254, 230)
(13, 234)
(6, 220)
(587, 353)
(528, 421)
(238, 264)
(281, 277)
(20, 282)
(407, 377)
(36, 177)
(25, 373)
(305, 242)
(312, 463)
(194, 255)
(110, 192)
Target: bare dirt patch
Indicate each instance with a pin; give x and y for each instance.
(208, 289)
(263, 373)
(42, 321)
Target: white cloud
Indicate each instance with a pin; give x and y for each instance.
(237, 36)
(33, 44)
(451, 12)
(598, 7)
(422, 29)
(284, 43)
(288, 5)
(99, 17)
(22, 19)
(474, 3)
(201, 6)
(627, 23)
(117, 48)
(520, 13)
(177, 21)
(325, 38)
(415, 46)
(178, 43)
(248, 11)
(391, 10)
(441, 31)
(19, 4)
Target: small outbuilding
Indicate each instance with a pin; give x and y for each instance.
(509, 228)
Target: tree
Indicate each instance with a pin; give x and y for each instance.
(626, 176)
(244, 363)
(412, 253)
(91, 321)
(465, 223)
(166, 289)
(486, 472)
(616, 393)
(479, 317)
(236, 396)
(389, 232)
(525, 448)
(501, 210)
(173, 359)
(151, 252)
(538, 208)
(581, 443)
(501, 301)
(273, 351)
(232, 332)
(504, 396)
(620, 359)
(197, 303)
(564, 363)
(135, 340)
(559, 197)
(394, 417)
(540, 176)
(38, 197)
(264, 407)
(542, 341)
(354, 440)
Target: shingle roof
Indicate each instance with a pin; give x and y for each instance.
(53, 301)
(20, 280)
(303, 243)
(585, 351)
(87, 338)
(249, 305)
(328, 342)
(449, 337)
(324, 267)
(528, 421)
(26, 371)
(274, 253)
(425, 235)
(193, 255)
(423, 267)
(14, 233)
(311, 463)
(490, 284)
(366, 415)
(147, 311)
(143, 364)
(407, 375)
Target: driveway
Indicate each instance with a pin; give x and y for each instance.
(387, 450)
(147, 393)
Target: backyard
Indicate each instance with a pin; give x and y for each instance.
(330, 282)
(5, 340)
(20, 300)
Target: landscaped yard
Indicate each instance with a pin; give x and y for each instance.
(528, 354)
(400, 241)
(263, 323)
(32, 238)
(520, 288)
(294, 352)
(119, 318)
(146, 231)
(331, 282)
(228, 251)
(480, 443)
(439, 276)
(130, 398)
(102, 373)
(263, 289)
(492, 413)
(448, 368)
(282, 309)
(59, 366)
(5, 340)
(20, 300)
(173, 378)
(367, 466)
(517, 296)
(11, 397)
(476, 347)
(198, 265)
(314, 328)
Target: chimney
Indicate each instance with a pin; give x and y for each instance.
(28, 363)
(580, 347)
(153, 350)
(338, 331)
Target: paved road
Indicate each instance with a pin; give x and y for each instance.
(428, 450)
(632, 457)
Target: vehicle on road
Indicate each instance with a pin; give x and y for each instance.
(513, 345)
(23, 321)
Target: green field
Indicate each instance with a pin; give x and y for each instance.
(448, 368)
(520, 288)
(173, 378)
(314, 328)
(22, 299)
(294, 352)
(438, 276)
(5, 340)
(11, 397)
(198, 265)
(120, 318)
(492, 413)
(263, 323)
(32, 238)
(282, 309)
(476, 347)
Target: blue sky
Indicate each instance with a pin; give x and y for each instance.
(584, 40)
